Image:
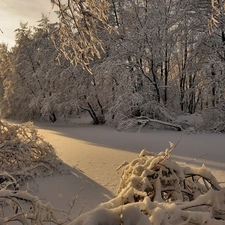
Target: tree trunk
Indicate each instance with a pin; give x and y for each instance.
(96, 117)
(52, 117)
(213, 74)
(155, 82)
(166, 74)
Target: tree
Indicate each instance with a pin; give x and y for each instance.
(29, 90)
(138, 58)
(189, 57)
(5, 70)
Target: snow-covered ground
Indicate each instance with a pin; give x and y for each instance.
(93, 154)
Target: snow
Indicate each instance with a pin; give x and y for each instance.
(93, 154)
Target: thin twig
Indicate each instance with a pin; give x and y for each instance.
(74, 200)
(194, 159)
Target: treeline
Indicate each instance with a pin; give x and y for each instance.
(161, 59)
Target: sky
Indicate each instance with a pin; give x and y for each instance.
(12, 12)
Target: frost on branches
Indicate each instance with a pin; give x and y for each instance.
(155, 190)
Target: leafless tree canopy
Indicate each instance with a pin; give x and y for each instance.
(79, 22)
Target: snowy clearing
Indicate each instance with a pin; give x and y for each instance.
(93, 153)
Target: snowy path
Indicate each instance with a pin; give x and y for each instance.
(94, 152)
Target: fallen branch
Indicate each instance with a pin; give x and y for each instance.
(144, 120)
(38, 212)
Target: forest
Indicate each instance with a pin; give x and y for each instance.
(153, 61)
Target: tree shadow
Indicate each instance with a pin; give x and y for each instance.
(193, 149)
(106, 136)
(190, 145)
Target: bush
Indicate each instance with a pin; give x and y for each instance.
(24, 154)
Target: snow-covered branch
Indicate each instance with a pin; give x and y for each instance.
(33, 212)
(144, 120)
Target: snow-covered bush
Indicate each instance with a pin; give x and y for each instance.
(132, 112)
(155, 190)
(24, 154)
